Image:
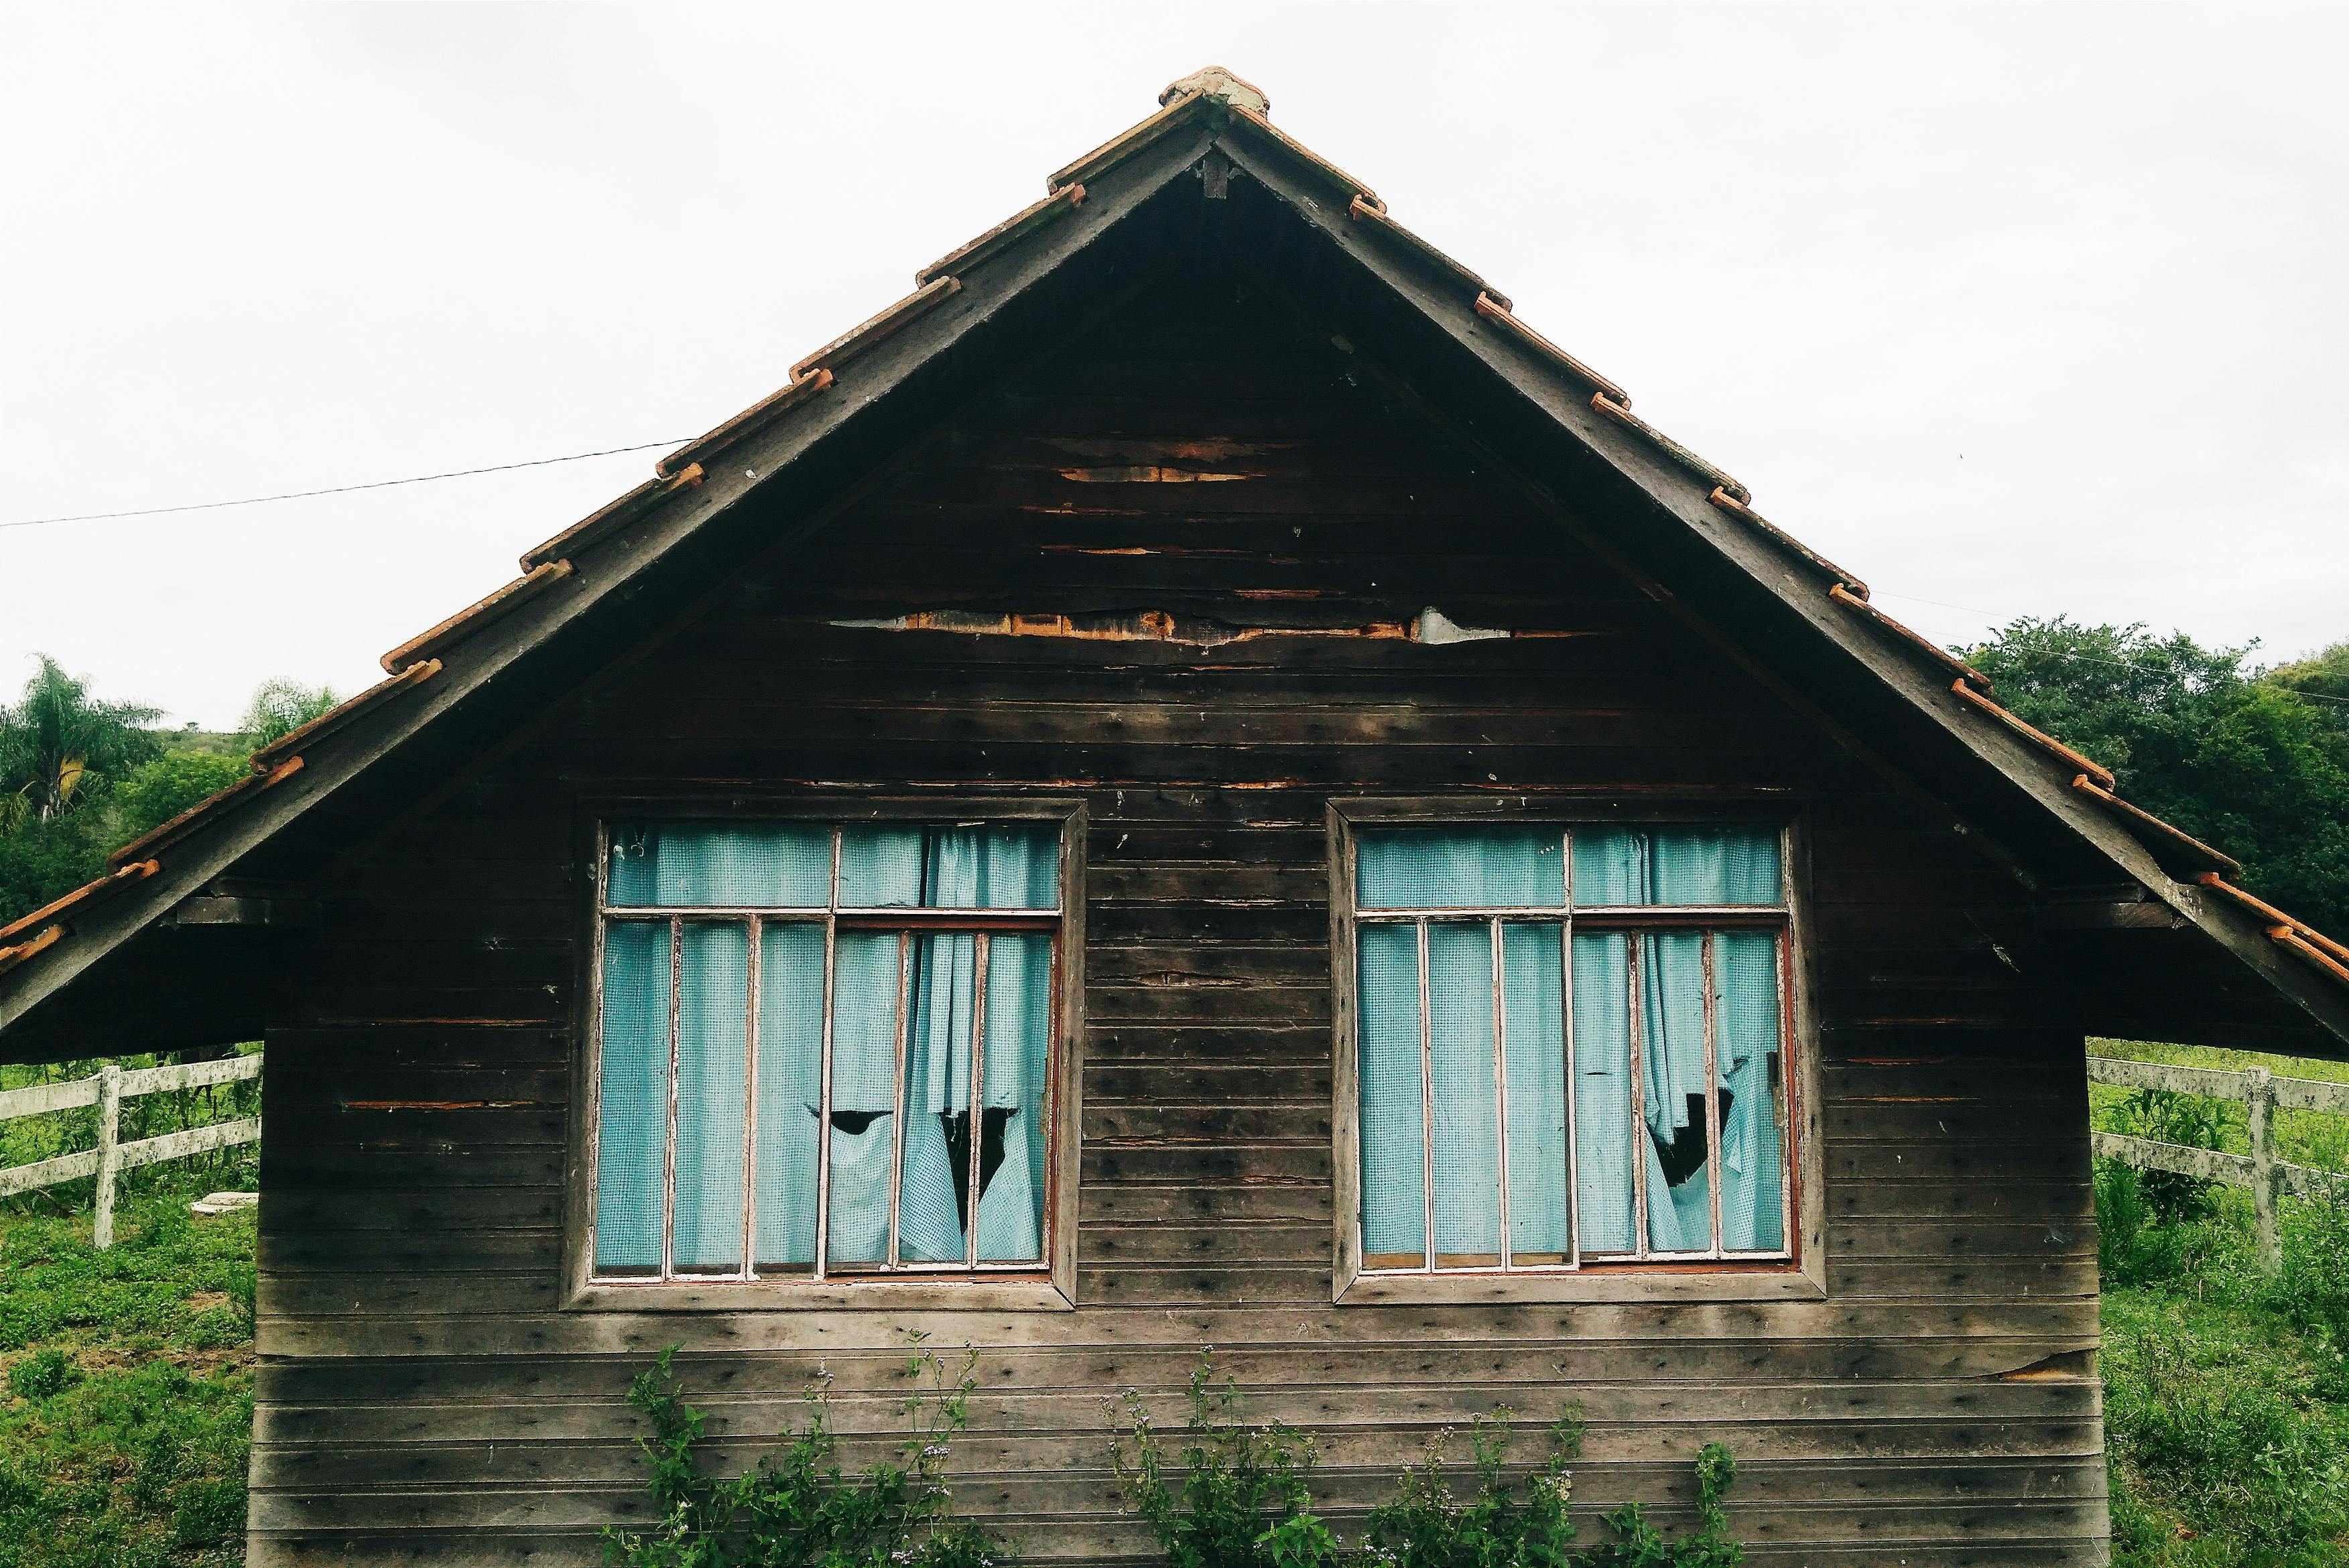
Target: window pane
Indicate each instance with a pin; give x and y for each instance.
(1467, 1147)
(937, 1100)
(790, 1096)
(1532, 963)
(863, 1094)
(1604, 1145)
(713, 975)
(1680, 1186)
(632, 1107)
(1014, 1158)
(1015, 866)
(1471, 869)
(711, 864)
(1675, 866)
(1394, 1213)
(1753, 1115)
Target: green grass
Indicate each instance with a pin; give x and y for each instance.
(2226, 1391)
(126, 1376)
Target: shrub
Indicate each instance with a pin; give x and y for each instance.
(1426, 1527)
(43, 1375)
(2133, 1246)
(1243, 1502)
(795, 1509)
(2312, 1290)
(2192, 1120)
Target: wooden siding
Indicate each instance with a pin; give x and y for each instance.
(425, 1394)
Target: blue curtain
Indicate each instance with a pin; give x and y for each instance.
(1675, 866)
(714, 973)
(1605, 1144)
(1016, 866)
(632, 1105)
(1010, 1222)
(863, 1094)
(937, 1085)
(791, 1097)
(713, 865)
(1466, 1155)
(1393, 1135)
(1752, 1135)
(1469, 869)
(1533, 967)
(1679, 1198)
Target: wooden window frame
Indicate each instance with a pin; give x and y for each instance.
(1798, 1273)
(1049, 1286)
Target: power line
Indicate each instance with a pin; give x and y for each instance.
(343, 489)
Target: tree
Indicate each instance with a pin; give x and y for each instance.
(281, 707)
(2242, 761)
(59, 743)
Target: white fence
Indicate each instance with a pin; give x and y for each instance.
(2269, 1179)
(112, 1158)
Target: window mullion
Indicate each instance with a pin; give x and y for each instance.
(823, 1100)
(1711, 1102)
(1501, 1092)
(1426, 1106)
(668, 1143)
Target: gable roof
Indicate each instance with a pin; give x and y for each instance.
(1207, 177)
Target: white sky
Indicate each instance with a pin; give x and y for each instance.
(2013, 309)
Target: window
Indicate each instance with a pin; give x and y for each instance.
(1569, 1047)
(825, 1051)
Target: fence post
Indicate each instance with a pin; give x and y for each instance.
(2261, 1099)
(109, 1159)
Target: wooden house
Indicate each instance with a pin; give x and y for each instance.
(1194, 781)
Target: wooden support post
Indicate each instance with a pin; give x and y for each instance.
(2261, 1099)
(109, 1156)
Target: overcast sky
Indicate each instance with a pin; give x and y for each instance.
(2014, 310)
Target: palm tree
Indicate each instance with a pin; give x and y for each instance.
(58, 739)
(281, 707)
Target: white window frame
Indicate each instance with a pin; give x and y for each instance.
(1715, 1273)
(969, 1283)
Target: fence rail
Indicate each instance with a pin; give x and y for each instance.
(107, 1091)
(2269, 1179)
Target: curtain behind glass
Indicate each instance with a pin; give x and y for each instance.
(632, 1100)
(1675, 866)
(711, 864)
(1467, 1154)
(937, 1087)
(791, 1094)
(1010, 1222)
(863, 1094)
(1393, 1135)
(1680, 1212)
(1605, 1140)
(1752, 1134)
(1532, 964)
(1015, 866)
(1470, 868)
(714, 976)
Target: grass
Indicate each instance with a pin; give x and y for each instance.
(2226, 1391)
(126, 1376)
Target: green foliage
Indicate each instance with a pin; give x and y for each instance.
(281, 707)
(2239, 760)
(58, 741)
(1243, 1490)
(796, 1509)
(160, 789)
(2192, 1120)
(2134, 1246)
(1637, 1543)
(128, 1406)
(1426, 1527)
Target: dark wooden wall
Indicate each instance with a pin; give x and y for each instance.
(423, 1394)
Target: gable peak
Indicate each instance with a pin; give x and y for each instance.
(1216, 83)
